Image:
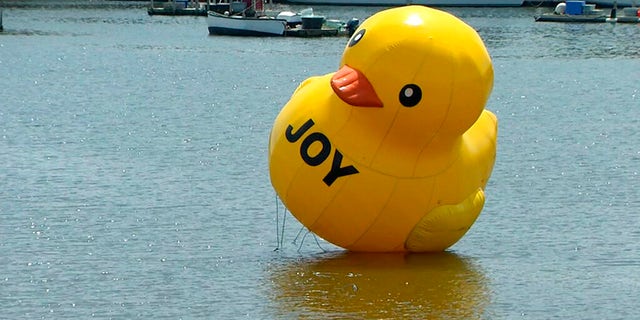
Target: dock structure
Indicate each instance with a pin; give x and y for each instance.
(191, 7)
(314, 33)
(318, 26)
(179, 8)
(581, 12)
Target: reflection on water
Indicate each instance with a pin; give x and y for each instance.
(361, 285)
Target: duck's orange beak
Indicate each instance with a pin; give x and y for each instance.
(353, 88)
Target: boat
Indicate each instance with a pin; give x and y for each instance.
(294, 18)
(248, 19)
(252, 21)
(178, 8)
(193, 7)
(318, 26)
(580, 12)
(552, 17)
(394, 3)
(237, 25)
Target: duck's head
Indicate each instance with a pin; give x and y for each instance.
(426, 70)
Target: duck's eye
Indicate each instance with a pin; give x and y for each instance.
(357, 37)
(410, 95)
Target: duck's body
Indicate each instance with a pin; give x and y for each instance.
(407, 171)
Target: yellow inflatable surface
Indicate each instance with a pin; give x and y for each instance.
(392, 152)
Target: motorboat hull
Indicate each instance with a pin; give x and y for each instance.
(245, 26)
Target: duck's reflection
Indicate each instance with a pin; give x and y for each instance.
(376, 286)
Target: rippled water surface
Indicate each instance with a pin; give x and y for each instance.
(134, 179)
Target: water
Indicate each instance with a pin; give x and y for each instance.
(134, 179)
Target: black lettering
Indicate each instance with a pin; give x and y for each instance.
(337, 171)
(293, 137)
(322, 155)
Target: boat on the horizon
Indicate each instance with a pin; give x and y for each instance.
(393, 3)
(194, 7)
(459, 3)
(252, 21)
(200, 7)
(581, 12)
(233, 25)
(178, 8)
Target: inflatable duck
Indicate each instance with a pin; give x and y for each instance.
(393, 151)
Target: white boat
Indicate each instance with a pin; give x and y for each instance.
(220, 24)
(435, 3)
(247, 18)
(295, 18)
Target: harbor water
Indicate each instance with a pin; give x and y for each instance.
(134, 179)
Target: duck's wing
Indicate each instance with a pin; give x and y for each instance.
(444, 225)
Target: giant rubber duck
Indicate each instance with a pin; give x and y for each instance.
(392, 152)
